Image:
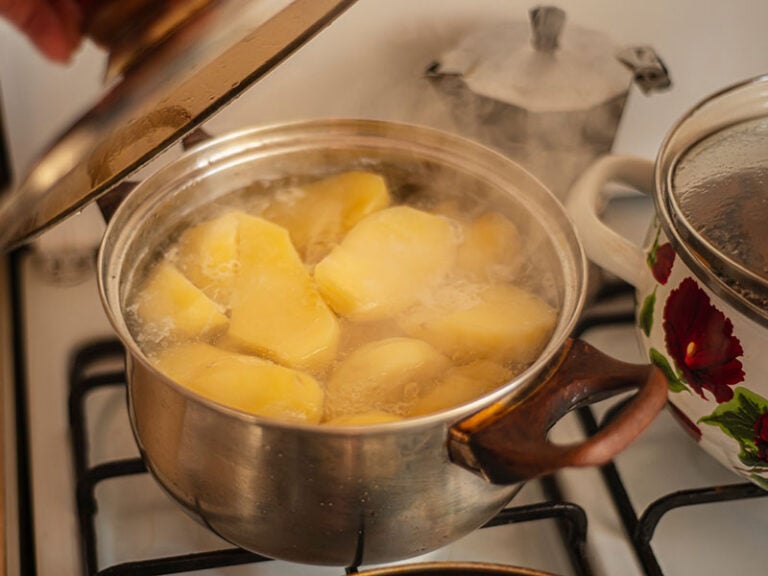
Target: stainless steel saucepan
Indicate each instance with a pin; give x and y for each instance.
(358, 495)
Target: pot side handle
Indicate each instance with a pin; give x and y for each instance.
(586, 202)
(508, 443)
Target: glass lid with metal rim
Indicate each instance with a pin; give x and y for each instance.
(713, 189)
(172, 65)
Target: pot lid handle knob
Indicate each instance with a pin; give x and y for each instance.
(649, 71)
(546, 24)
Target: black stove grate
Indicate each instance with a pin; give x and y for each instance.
(640, 529)
(85, 377)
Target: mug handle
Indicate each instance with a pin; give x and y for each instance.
(507, 442)
(586, 202)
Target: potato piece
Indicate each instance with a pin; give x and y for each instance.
(476, 321)
(491, 248)
(461, 384)
(170, 306)
(182, 361)
(318, 214)
(355, 334)
(383, 375)
(207, 255)
(386, 262)
(276, 309)
(260, 387)
(364, 419)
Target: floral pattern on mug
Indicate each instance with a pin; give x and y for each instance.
(700, 340)
(698, 352)
(661, 259)
(745, 419)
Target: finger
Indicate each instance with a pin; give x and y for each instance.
(71, 17)
(52, 28)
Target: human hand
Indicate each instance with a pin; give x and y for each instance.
(53, 26)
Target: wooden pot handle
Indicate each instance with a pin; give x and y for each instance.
(508, 443)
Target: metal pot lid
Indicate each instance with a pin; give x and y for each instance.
(712, 191)
(548, 66)
(172, 65)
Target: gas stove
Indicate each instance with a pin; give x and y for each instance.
(78, 500)
(91, 500)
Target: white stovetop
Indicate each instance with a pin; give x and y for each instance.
(369, 63)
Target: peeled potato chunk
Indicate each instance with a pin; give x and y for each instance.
(317, 215)
(276, 311)
(207, 255)
(260, 387)
(461, 384)
(182, 361)
(386, 262)
(383, 375)
(475, 321)
(364, 419)
(491, 247)
(243, 382)
(170, 306)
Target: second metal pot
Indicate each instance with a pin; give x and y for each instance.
(702, 274)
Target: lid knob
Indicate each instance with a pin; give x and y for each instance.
(649, 71)
(547, 24)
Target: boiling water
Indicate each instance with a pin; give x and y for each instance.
(529, 265)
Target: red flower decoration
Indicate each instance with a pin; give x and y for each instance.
(761, 437)
(700, 340)
(660, 259)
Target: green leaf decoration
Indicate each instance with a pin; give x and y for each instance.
(674, 382)
(737, 419)
(645, 318)
(650, 258)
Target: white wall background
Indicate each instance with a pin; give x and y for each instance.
(373, 57)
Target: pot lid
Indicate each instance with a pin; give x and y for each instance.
(548, 66)
(712, 188)
(172, 65)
